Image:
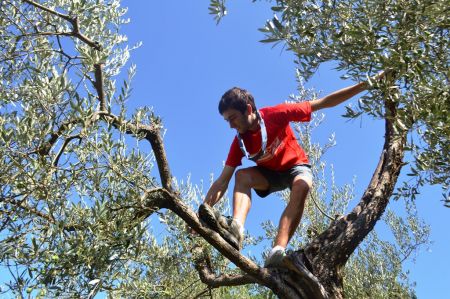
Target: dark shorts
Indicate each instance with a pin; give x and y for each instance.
(280, 180)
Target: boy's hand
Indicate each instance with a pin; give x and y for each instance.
(387, 75)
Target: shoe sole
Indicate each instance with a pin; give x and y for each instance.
(279, 265)
(207, 216)
(304, 273)
(298, 268)
(287, 263)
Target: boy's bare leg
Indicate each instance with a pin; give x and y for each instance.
(293, 212)
(245, 180)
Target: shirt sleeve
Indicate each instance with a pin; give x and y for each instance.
(292, 112)
(235, 154)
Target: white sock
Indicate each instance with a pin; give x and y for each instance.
(275, 249)
(241, 227)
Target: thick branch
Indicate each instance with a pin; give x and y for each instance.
(151, 201)
(178, 207)
(155, 139)
(152, 134)
(299, 283)
(329, 252)
(376, 197)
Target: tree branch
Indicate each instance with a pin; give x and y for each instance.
(184, 212)
(151, 201)
(45, 148)
(376, 197)
(272, 279)
(73, 21)
(63, 147)
(330, 251)
(152, 134)
(51, 11)
(40, 33)
(98, 84)
(207, 275)
(211, 279)
(20, 204)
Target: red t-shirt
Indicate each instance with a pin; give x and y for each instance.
(282, 150)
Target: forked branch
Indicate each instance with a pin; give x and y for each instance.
(76, 32)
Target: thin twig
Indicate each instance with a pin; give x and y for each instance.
(63, 147)
(53, 12)
(201, 293)
(320, 209)
(20, 204)
(44, 149)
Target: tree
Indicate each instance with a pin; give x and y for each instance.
(75, 195)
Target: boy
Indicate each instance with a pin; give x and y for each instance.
(266, 137)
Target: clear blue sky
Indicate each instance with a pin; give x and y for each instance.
(187, 62)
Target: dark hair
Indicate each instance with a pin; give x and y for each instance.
(236, 98)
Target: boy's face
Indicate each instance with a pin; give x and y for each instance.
(237, 120)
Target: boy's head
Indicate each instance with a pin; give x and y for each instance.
(238, 99)
(237, 107)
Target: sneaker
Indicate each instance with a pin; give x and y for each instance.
(227, 227)
(275, 260)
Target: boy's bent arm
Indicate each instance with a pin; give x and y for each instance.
(219, 187)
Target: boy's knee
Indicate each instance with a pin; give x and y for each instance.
(243, 176)
(302, 183)
(251, 178)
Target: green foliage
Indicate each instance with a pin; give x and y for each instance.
(375, 271)
(69, 183)
(217, 9)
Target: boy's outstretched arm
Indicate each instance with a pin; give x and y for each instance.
(343, 94)
(219, 187)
